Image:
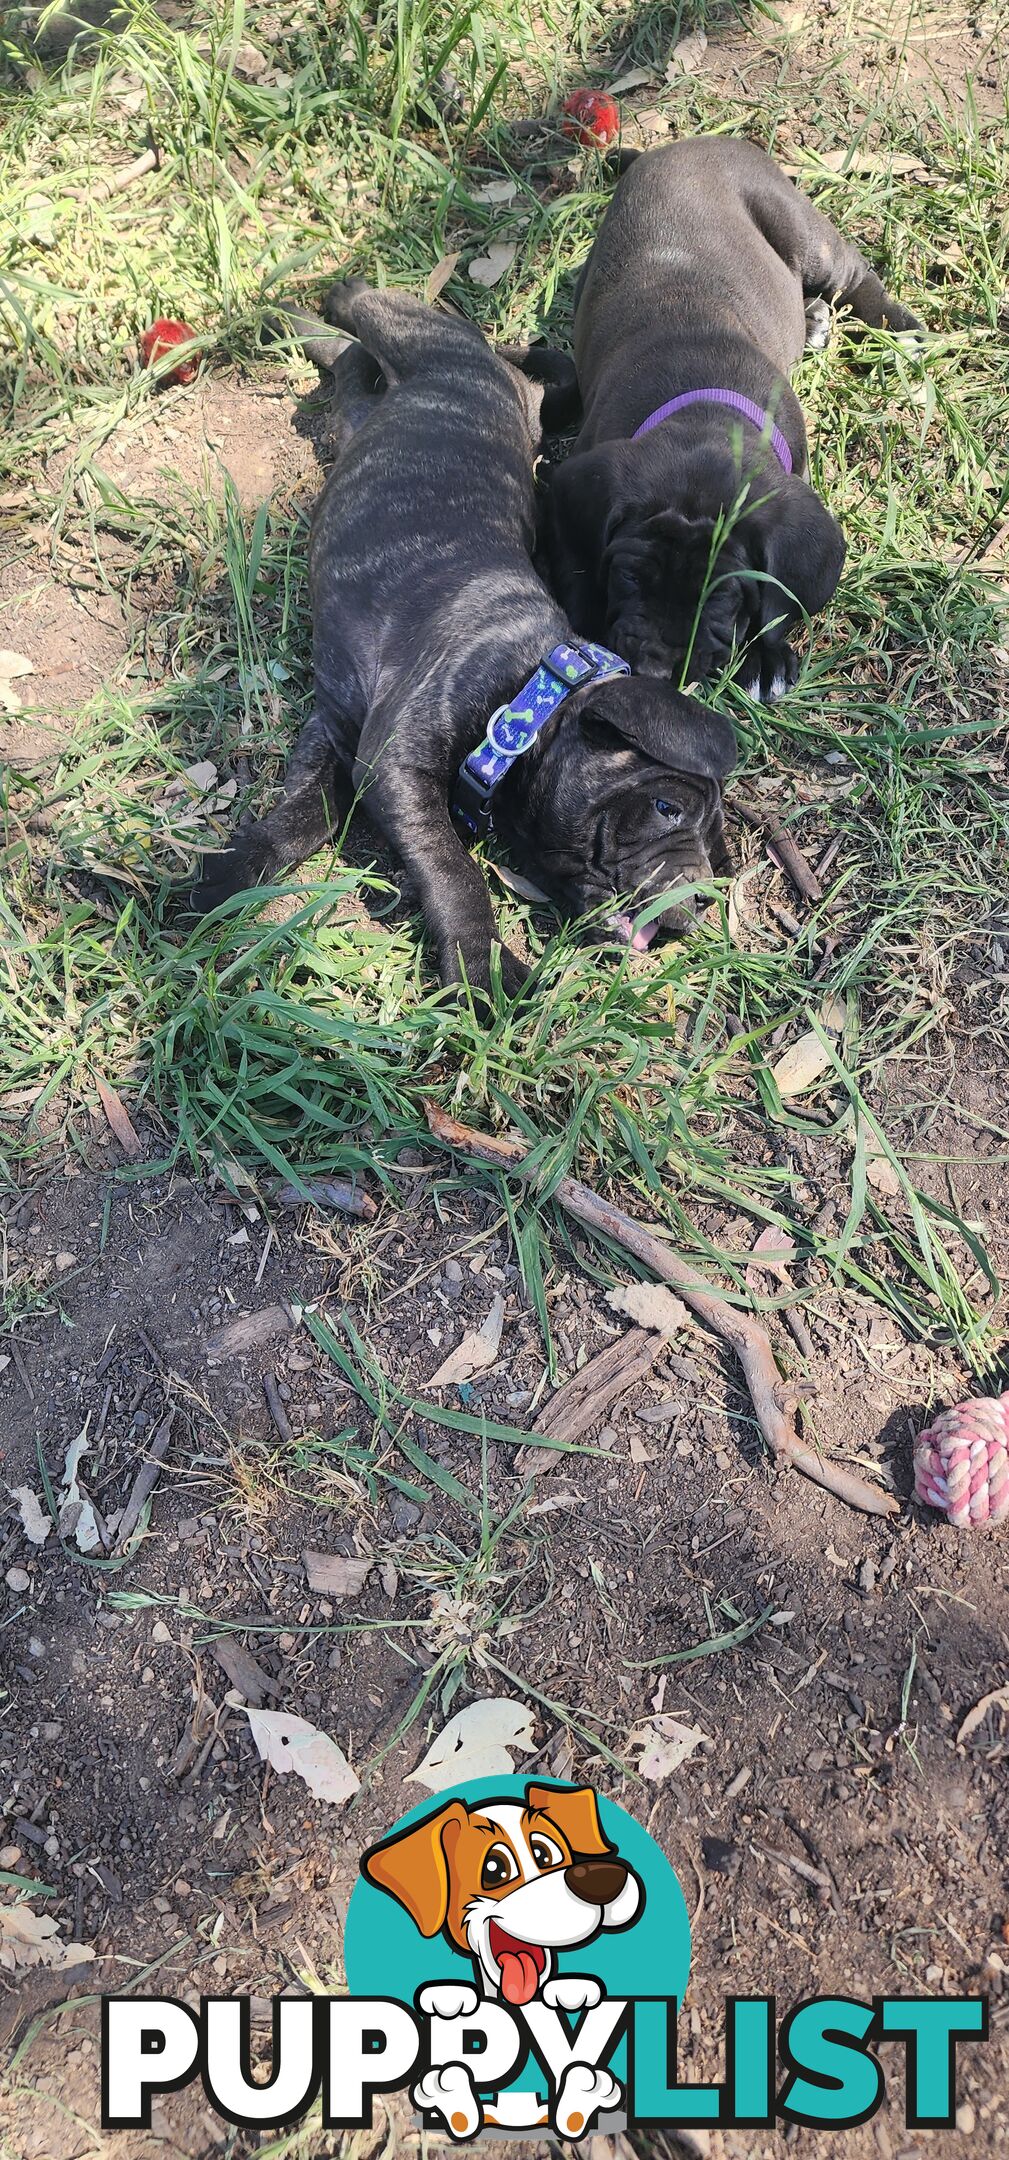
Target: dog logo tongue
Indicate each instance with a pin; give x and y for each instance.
(520, 1964)
(519, 1974)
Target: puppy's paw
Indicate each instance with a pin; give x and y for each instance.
(455, 962)
(237, 869)
(572, 1991)
(583, 2092)
(819, 324)
(449, 2093)
(447, 1999)
(769, 671)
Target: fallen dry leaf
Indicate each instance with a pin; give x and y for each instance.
(651, 1305)
(118, 1117)
(739, 919)
(489, 269)
(14, 664)
(879, 1170)
(771, 1255)
(864, 165)
(28, 1938)
(665, 1745)
(291, 1743)
(439, 277)
(333, 1576)
(477, 1350)
(633, 80)
(496, 191)
(807, 1059)
(687, 55)
(35, 1521)
(638, 1451)
(475, 1744)
(76, 1514)
(997, 1700)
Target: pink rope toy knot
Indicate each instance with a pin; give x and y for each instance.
(961, 1462)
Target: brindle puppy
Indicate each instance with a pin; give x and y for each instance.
(427, 616)
(708, 274)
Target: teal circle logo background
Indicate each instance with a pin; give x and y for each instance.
(386, 1954)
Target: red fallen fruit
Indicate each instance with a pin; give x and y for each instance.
(592, 118)
(160, 339)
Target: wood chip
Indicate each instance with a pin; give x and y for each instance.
(241, 1668)
(250, 1331)
(334, 1576)
(583, 1400)
(145, 1481)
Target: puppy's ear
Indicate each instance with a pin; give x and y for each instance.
(636, 713)
(413, 1868)
(576, 1815)
(800, 547)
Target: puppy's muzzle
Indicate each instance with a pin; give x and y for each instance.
(596, 1882)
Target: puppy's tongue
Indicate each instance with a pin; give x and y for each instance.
(638, 940)
(519, 1974)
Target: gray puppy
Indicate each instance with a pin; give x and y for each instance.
(432, 634)
(709, 273)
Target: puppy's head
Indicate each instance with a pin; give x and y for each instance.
(625, 801)
(699, 584)
(509, 1881)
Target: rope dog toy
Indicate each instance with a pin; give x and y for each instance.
(961, 1462)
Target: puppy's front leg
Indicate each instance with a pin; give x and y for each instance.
(314, 804)
(411, 809)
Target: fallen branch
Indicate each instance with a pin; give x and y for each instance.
(745, 1336)
(117, 178)
(789, 857)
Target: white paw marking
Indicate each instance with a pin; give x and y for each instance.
(571, 1991)
(818, 325)
(449, 2093)
(582, 2094)
(448, 1999)
(778, 687)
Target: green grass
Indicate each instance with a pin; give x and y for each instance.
(313, 1042)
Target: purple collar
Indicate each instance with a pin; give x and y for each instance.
(747, 406)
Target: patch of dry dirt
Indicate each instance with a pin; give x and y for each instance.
(136, 1793)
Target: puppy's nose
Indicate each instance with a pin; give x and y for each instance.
(598, 1882)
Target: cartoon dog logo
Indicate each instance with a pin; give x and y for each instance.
(509, 1884)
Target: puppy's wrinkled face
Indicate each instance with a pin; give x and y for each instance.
(677, 601)
(695, 588)
(625, 804)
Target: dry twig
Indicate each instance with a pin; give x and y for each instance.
(746, 1337)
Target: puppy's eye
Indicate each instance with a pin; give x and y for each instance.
(545, 1852)
(671, 811)
(499, 1867)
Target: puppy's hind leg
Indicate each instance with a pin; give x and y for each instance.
(831, 268)
(317, 799)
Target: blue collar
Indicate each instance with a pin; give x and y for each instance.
(513, 727)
